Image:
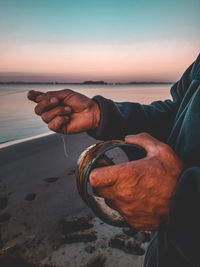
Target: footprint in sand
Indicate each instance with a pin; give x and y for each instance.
(3, 202)
(51, 179)
(6, 261)
(77, 230)
(124, 243)
(90, 248)
(75, 225)
(30, 197)
(97, 261)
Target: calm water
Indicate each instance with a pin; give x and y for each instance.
(17, 118)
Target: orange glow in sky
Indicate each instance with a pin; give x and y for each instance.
(136, 62)
(115, 41)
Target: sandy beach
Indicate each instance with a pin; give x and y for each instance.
(125, 51)
(43, 220)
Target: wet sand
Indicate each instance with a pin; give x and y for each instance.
(43, 220)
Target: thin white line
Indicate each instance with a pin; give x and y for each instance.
(23, 140)
(64, 146)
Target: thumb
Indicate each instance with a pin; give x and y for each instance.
(144, 140)
(104, 176)
(34, 95)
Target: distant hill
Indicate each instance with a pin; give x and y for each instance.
(94, 82)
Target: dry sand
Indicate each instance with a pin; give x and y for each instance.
(43, 219)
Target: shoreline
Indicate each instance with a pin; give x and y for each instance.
(18, 120)
(19, 141)
(90, 83)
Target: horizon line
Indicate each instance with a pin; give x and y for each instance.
(87, 82)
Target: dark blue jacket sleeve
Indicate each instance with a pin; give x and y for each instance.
(158, 119)
(121, 119)
(184, 218)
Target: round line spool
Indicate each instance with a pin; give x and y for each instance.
(99, 155)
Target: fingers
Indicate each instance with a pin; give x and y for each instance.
(34, 95)
(46, 104)
(104, 176)
(57, 123)
(105, 192)
(37, 96)
(48, 100)
(146, 141)
(57, 111)
(62, 94)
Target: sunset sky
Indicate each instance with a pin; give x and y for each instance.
(110, 40)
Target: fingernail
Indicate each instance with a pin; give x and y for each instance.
(67, 109)
(38, 98)
(53, 100)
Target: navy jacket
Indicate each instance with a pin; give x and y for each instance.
(176, 123)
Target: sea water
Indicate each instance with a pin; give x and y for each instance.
(19, 122)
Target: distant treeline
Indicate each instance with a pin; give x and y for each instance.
(85, 82)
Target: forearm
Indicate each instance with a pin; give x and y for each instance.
(121, 119)
(118, 119)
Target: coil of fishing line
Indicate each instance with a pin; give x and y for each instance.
(99, 155)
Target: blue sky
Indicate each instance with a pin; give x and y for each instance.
(33, 25)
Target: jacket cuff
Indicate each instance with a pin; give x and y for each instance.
(107, 113)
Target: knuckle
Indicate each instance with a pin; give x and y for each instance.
(122, 195)
(44, 117)
(67, 91)
(60, 109)
(92, 179)
(143, 135)
(37, 110)
(38, 98)
(59, 120)
(48, 94)
(41, 107)
(51, 127)
(127, 212)
(55, 124)
(164, 147)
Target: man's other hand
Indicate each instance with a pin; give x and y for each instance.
(141, 190)
(66, 111)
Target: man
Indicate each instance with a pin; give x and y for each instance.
(160, 192)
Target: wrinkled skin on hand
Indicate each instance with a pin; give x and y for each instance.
(141, 190)
(66, 111)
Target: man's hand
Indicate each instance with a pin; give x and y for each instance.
(141, 190)
(66, 111)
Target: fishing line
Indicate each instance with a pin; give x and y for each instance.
(74, 188)
(63, 137)
(64, 146)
